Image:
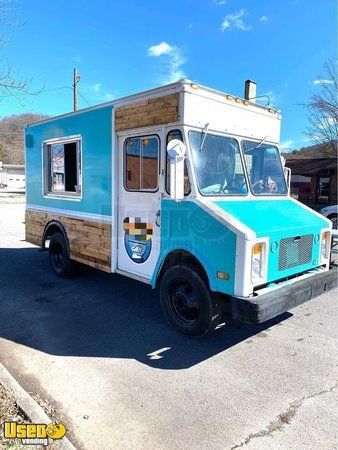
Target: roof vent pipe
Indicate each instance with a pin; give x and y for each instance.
(250, 91)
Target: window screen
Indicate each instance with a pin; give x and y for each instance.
(142, 163)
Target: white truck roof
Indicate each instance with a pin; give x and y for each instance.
(201, 105)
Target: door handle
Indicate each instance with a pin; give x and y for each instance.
(158, 218)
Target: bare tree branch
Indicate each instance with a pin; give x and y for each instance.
(11, 84)
(322, 108)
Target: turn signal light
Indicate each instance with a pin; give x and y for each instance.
(257, 248)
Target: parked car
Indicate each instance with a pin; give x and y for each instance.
(331, 212)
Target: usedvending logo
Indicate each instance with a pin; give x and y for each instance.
(137, 238)
(34, 433)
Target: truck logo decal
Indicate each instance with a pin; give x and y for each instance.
(137, 238)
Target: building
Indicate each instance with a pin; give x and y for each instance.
(12, 176)
(314, 181)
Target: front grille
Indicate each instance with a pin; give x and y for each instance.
(295, 251)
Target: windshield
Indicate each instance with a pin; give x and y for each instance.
(265, 170)
(218, 164)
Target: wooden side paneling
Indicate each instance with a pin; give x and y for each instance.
(90, 241)
(149, 112)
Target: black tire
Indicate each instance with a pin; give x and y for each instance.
(59, 256)
(187, 303)
(333, 218)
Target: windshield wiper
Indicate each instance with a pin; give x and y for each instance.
(204, 134)
(257, 146)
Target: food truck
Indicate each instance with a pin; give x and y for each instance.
(181, 187)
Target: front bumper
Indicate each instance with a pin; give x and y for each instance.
(271, 304)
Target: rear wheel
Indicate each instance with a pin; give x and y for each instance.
(59, 256)
(187, 302)
(333, 218)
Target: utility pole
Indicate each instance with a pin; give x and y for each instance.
(76, 79)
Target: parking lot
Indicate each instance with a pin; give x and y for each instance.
(97, 348)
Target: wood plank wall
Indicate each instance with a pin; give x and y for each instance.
(149, 112)
(90, 241)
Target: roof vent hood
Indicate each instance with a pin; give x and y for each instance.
(250, 91)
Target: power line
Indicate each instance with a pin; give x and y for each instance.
(47, 90)
(70, 87)
(83, 98)
(56, 89)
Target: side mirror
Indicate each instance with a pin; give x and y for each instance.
(287, 173)
(176, 152)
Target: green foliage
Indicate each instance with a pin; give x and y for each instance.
(325, 150)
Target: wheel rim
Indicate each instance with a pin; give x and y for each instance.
(58, 257)
(185, 303)
(334, 222)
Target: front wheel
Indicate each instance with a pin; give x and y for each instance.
(187, 302)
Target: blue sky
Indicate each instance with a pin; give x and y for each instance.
(122, 47)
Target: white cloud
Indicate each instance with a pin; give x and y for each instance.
(96, 87)
(286, 145)
(264, 19)
(190, 25)
(235, 21)
(271, 98)
(173, 61)
(163, 48)
(95, 93)
(219, 2)
(225, 25)
(322, 81)
(327, 122)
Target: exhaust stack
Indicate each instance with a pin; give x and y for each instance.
(250, 91)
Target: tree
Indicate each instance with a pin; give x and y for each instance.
(12, 136)
(3, 153)
(322, 108)
(11, 85)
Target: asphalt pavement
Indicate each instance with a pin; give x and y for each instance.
(97, 348)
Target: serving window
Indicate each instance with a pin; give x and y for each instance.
(62, 167)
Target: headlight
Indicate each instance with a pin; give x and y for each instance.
(325, 246)
(258, 261)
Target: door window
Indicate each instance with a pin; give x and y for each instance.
(142, 163)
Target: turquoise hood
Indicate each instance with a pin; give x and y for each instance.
(267, 217)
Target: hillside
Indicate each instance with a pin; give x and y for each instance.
(325, 150)
(11, 136)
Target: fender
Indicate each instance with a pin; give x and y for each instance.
(199, 256)
(56, 224)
